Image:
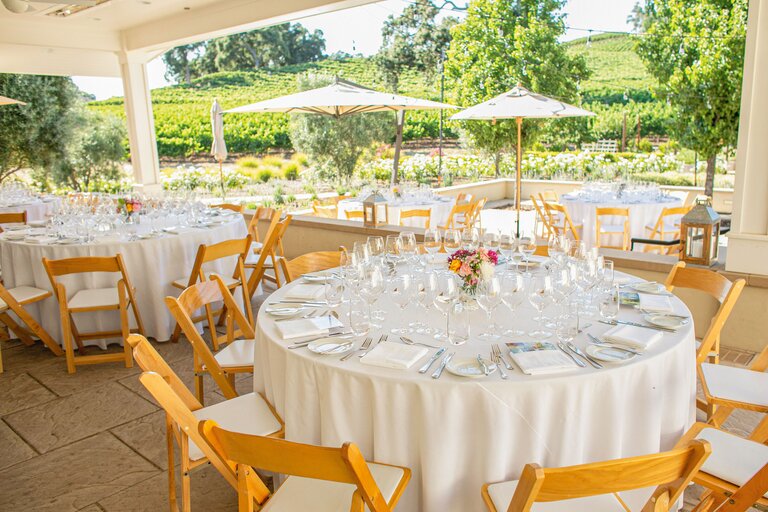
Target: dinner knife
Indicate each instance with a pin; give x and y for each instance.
(635, 324)
(431, 361)
(446, 360)
(573, 358)
(578, 351)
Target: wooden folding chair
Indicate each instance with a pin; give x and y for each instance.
(310, 262)
(549, 196)
(458, 215)
(250, 413)
(13, 218)
(326, 211)
(276, 252)
(237, 208)
(353, 214)
(463, 198)
(425, 214)
(273, 238)
(597, 485)
(612, 229)
(735, 475)
(237, 248)
(14, 300)
(474, 216)
(237, 355)
(560, 221)
(667, 227)
(320, 477)
(542, 220)
(117, 298)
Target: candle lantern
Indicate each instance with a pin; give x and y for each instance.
(700, 234)
(375, 211)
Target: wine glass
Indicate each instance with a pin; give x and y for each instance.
(539, 295)
(527, 245)
(568, 324)
(370, 287)
(458, 324)
(401, 292)
(470, 239)
(426, 288)
(432, 243)
(394, 249)
(446, 295)
(512, 295)
(507, 245)
(376, 246)
(334, 291)
(609, 303)
(492, 241)
(489, 297)
(408, 245)
(452, 240)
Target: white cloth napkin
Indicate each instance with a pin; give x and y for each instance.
(651, 302)
(179, 231)
(305, 292)
(632, 336)
(302, 327)
(42, 240)
(539, 362)
(394, 355)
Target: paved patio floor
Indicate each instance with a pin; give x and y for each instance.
(94, 441)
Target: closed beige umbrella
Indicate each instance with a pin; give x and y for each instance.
(218, 147)
(10, 101)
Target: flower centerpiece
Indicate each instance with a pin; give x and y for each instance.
(473, 267)
(397, 192)
(128, 206)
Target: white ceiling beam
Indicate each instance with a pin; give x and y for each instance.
(41, 60)
(44, 33)
(223, 18)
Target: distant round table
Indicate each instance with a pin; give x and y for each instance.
(152, 265)
(641, 214)
(37, 210)
(457, 433)
(440, 208)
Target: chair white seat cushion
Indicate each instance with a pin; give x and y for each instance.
(666, 227)
(299, 493)
(501, 495)
(237, 353)
(611, 228)
(228, 281)
(247, 414)
(24, 294)
(736, 384)
(94, 297)
(733, 459)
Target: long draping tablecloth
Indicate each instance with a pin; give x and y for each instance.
(640, 215)
(152, 266)
(440, 208)
(457, 433)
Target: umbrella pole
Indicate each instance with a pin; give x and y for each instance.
(519, 174)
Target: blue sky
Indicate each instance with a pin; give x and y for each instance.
(359, 30)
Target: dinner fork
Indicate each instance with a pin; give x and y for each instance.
(501, 356)
(496, 358)
(364, 346)
(383, 337)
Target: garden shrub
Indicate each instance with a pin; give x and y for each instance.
(291, 171)
(264, 175)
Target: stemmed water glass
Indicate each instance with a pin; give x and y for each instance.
(370, 287)
(401, 291)
(470, 239)
(507, 245)
(446, 295)
(452, 240)
(512, 295)
(539, 295)
(426, 289)
(492, 241)
(527, 245)
(432, 243)
(489, 297)
(394, 249)
(376, 247)
(408, 245)
(362, 252)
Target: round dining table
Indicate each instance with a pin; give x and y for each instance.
(152, 264)
(458, 433)
(641, 214)
(439, 207)
(37, 210)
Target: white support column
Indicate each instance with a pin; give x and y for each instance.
(748, 238)
(141, 122)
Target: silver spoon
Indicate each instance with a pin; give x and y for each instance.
(409, 341)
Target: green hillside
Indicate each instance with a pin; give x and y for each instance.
(182, 111)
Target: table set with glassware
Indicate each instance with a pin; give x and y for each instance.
(645, 204)
(15, 197)
(465, 366)
(399, 199)
(158, 240)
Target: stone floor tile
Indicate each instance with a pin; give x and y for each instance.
(172, 352)
(92, 508)
(210, 493)
(146, 435)
(73, 477)
(22, 358)
(20, 391)
(78, 416)
(86, 377)
(14, 448)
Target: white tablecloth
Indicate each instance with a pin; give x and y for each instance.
(456, 433)
(440, 208)
(36, 210)
(152, 266)
(640, 215)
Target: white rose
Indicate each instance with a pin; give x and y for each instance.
(486, 270)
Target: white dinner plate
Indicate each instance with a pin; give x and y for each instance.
(662, 320)
(68, 241)
(318, 277)
(609, 354)
(15, 235)
(469, 367)
(325, 346)
(15, 227)
(283, 311)
(649, 287)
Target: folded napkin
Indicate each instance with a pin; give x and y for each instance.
(305, 292)
(179, 231)
(632, 336)
(655, 303)
(540, 362)
(302, 327)
(393, 355)
(42, 240)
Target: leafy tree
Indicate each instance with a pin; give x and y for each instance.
(335, 145)
(180, 60)
(637, 17)
(695, 49)
(35, 135)
(95, 154)
(502, 43)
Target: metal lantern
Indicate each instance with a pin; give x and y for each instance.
(700, 234)
(375, 211)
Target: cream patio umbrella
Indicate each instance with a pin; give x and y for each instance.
(342, 98)
(10, 101)
(517, 104)
(218, 147)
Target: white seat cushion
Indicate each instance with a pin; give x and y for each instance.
(737, 384)
(298, 493)
(247, 414)
(733, 459)
(237, 353)
(501, 495)
(611, 228)
(93, 298)
(667, 226)
(24, 294)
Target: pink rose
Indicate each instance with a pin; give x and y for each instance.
(465, 270)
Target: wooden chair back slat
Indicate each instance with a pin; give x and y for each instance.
(310, 262)
(225, 249)
(625, 234)
(81, 265)
(261, 213)
(565, 224)
(239, 208)
(458, 209)
(13, 217)
(425, 214)
(543, 217)
(326, 211)
(353, 214)
(271, 242)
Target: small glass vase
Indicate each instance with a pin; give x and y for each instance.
(129, 218)
(468, 299)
